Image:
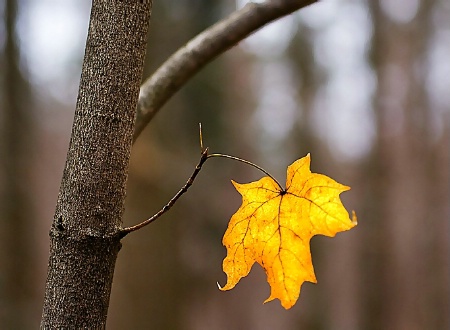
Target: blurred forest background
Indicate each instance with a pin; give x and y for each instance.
(364, 86)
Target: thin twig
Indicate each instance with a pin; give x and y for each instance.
(189, 182)
(201, 137)
(204, 157)
(202, 49)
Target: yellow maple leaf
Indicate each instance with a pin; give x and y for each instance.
(274, 226)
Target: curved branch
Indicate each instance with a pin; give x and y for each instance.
(206, 46)
(204, 157)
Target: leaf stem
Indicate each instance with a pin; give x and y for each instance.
(248, 163)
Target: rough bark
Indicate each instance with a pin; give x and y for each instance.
(85, 234)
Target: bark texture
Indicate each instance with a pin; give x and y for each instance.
(85, 232)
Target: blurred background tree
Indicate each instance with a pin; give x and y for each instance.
(16, 203)
(362, 85)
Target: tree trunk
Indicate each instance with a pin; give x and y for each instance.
(85, 234)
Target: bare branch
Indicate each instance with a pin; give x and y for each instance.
(188, 60)
(203, 158)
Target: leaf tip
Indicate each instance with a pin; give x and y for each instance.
(285, 303)
(224, 288)
(268, 299)
(236, 185)
(354, 218)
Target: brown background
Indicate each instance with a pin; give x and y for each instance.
(361, 85)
